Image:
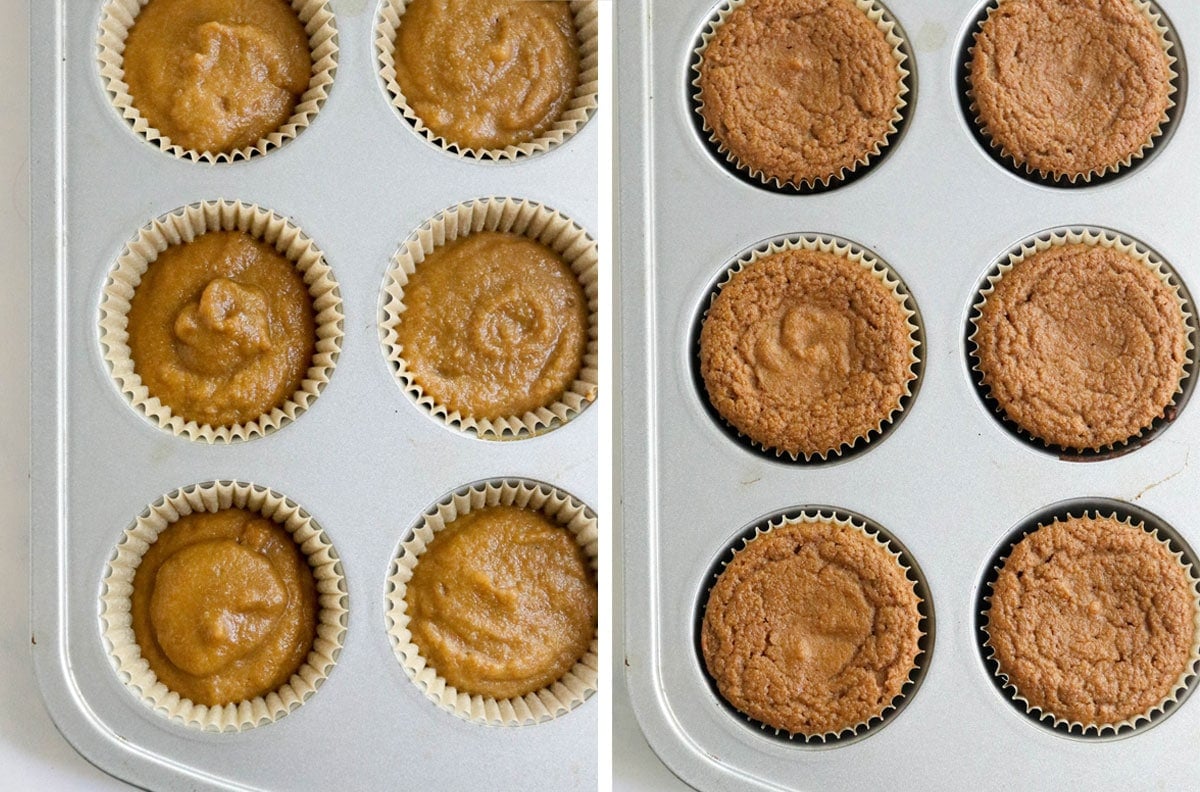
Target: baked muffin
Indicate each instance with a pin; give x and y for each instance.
(799, 92)
(224, 607)
(496, 324)
(221, 329)
(1082, 344)
(806, 351)
(487, 74)
(1071, 88)
(1092, 621)
(812, 628)
(217, 76)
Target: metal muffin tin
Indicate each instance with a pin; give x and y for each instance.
(950, 482)
(363, 461)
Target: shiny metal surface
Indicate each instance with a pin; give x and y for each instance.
(364, 461)
(949, 482)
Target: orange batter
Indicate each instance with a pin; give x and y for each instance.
(224, 606)
(217, 75)
(495, 324)
(221, 329)
(503, 602)
(486, 74)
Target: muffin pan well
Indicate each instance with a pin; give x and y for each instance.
(1166, 131)
(363, 460)
(947, 480)
(1124, 512)
(912, 572)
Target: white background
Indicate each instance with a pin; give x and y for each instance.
(32, 753)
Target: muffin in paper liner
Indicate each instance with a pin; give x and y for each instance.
(529, 219)
(886, 23)
(575, 115)
(1070, 179)
(1088, 236)
(890, 545)
(184, 225)
(576, 686)
(118, 16)
(1123, 727)
(878, 269)
(117, 625)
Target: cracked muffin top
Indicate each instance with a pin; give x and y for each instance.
(812, 628)
(806, 351)
(800, 91)
(1092, 620)
(1082, 346)
(1070, 87)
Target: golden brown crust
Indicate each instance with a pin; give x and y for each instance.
(812, 628)
(1070, 87)
(502, 602)
(1081, 345)
(1092, 620)
(806, 351)
(801, 90)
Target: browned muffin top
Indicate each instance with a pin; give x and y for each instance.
(1070, 87)
(805, 351)
(812, 628)
(1082, 346)
(1092, 620)
(800, 90)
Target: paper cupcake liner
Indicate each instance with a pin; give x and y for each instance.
(881, 271)
(868, 528)
(1124, 727)
(576, 114)
(1050, 177)
(184, 225)
(1089, 236)
(576, 686)
(900, 49)
(118, 16)
(537, 222)
(117, 624)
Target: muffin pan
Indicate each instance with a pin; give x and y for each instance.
(363, 460)
(949, 481)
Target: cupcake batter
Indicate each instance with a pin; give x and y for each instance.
(217, 75)
(503, 602)
(221, 329)
(487, 74)
(495, 325)
(224, 606)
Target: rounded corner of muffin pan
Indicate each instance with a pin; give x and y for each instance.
(720, 158)
(925, 644)
(995, 412)
(847, 452)
(1125, 512)
(963, 53)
